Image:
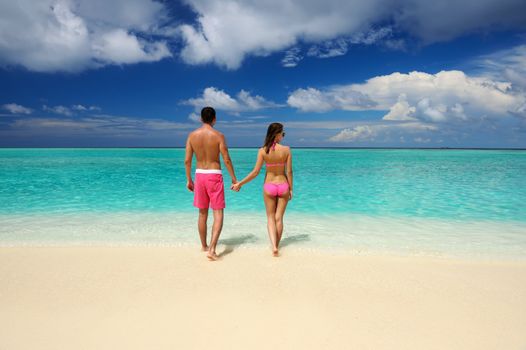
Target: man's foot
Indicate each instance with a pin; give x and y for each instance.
(204, 249)
(212, 256)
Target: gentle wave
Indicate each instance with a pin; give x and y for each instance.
(358, 234)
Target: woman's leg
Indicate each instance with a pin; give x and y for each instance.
(280, 212)
(270, 205)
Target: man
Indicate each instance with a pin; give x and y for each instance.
(209, 190)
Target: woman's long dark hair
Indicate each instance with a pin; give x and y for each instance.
(273, 130)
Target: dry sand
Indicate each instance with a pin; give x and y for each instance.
(172, 298)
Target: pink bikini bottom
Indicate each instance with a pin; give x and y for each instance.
(276, 190)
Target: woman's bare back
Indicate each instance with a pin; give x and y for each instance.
(276, 161)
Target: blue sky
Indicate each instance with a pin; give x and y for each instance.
(90, 73)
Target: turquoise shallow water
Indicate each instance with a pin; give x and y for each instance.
(449, 184)
(410, 200)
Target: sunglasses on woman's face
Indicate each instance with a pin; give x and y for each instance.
(283, 133)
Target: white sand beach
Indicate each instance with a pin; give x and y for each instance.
(173, 298)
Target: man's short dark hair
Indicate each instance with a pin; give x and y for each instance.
(208, 114)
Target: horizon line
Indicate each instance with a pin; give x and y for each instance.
(255, 147)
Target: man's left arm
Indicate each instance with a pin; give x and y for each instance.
(226, 158)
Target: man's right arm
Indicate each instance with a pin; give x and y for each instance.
(226, 158)
(188, 165)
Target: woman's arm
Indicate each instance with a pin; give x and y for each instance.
(289, 172)
(252, 175)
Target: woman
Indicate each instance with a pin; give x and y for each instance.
(277, 188)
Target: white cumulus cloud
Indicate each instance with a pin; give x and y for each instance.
(340, 46)
(73, 35)
(372, 132)
(221, 100)
(16, 108)
(509, 64)
(360, 132)
(58, 110)
(227, 31)
(314, 100)
(401, 110)
(194, 117)
(292, 57)
(67, 35)
(121, 47)
(438, 97)
(83, 108)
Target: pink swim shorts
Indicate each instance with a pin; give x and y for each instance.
(276, 190)
(209, 189)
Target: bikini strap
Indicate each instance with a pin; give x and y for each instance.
(275, 164)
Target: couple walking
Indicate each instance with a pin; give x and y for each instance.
(207, 143)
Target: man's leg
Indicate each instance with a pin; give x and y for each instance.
(216, 231)
(201, 225)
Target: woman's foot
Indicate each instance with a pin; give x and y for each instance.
(275, 253)
(212, 256)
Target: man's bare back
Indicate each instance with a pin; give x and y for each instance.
(205, 143)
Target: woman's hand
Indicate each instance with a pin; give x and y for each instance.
(290, 195)
(236, 187)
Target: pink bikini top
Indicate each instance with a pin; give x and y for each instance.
(273, 147)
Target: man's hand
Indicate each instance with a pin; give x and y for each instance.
(236, 187)
(190, 185)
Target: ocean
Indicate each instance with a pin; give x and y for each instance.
(402, 201)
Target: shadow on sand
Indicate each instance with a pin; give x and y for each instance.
(294, 239)
(234, 242)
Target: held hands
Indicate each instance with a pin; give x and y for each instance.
(290, 195)
(236, 186)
